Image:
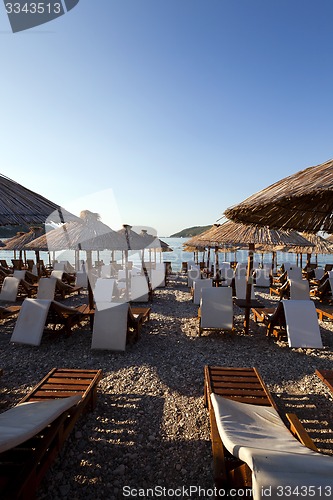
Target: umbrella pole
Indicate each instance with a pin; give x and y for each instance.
(248, 288)
(89, 272)
(216, 262)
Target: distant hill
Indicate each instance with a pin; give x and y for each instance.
(190, 231)
(9, 231)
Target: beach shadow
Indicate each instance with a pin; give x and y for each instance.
(139, 455)
(313, 412)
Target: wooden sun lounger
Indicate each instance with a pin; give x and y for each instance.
(22, 468)
(244, 385)
(9, 311)
(324, 312)
(144, 311)
(262, 314)
(63, 289)
(327, 377)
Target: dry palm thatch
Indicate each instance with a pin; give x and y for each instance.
(87, 233)
(320, 245)
(303, 201)
(20, 240)
(153, 242)
(21, 206)
(233, 233)
(134, 240)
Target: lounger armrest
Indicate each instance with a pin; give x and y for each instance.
(297, 429)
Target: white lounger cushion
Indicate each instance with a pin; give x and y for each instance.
(46, 288)
(57, 273)
(157, 278)
(302, 324)
(299, 289)
(139, 289)
(257, 436)
(198, 285)
(240, 286)
(110, 326)
(295, 273)
(18, 273)
(81, 279)
(262, 278)
(30, 323)
(27, 419)
(9, 289)
(103, 290)
(216, 308)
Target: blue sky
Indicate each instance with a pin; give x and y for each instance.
(164, 113)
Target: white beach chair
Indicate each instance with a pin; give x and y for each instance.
(319, 273)
(224, 265)
(241, 269)
(139, 291)
(157, 276)
(25, 421)
(294, 273)
(81, 279)
(19, 274)
(227, 274)
(106, 271)
(278, 461)
(216, 309)
(299, 289)
(59, 266)
(192, 274)
(46, 288)
(302, 324)
(262, 278)
(57, 273)
(9, 289)
(30, 323)
(198, 285)
(103, 291)
(110, 326)
(240, 286)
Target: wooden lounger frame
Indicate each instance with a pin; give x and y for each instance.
(246, 386)
(22, 468)
(324, 312)
(326, 376)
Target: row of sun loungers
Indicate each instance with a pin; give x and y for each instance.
(252, 447)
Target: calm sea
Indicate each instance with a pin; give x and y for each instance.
(176, 257)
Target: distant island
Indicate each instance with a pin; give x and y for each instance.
(190, 231)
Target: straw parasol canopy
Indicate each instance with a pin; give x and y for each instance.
(233, 233)
(302, 201)
(21, 239)
(133, 240)
(152, 242)
(21, 206)
(86, 233)
(320, 245)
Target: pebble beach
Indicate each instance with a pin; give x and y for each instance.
(149, 436)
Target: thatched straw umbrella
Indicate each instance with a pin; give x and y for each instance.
(320, 246)
(303, 201)
(21, 239)
(21, 206)
(87, 233)
(233, 233)
(153, 243)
